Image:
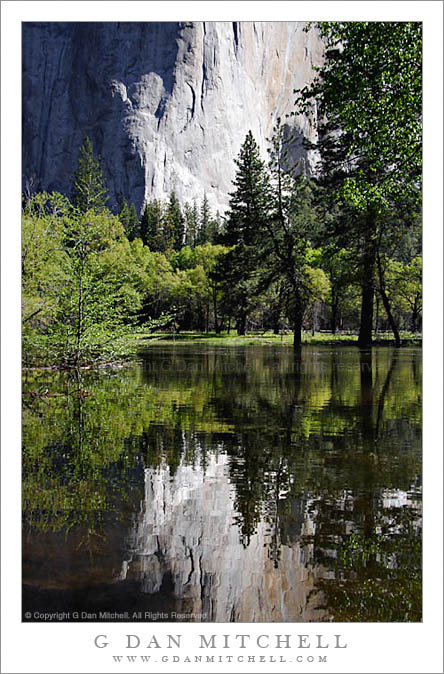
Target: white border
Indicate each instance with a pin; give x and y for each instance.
(372, 647)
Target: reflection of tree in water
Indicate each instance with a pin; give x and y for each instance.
(77, 468)
(374, 550)
(324, 434)
(341, 479)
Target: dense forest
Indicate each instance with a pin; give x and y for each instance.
(337, 251)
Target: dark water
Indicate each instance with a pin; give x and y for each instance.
(225, 484)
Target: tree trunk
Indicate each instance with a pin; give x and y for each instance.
(334, 313)
(297, 320)
(277, 312)
(368, 287)
(241, 324)
(415, 315)
(386, 303)
(377, 315)
(297, 335)
(216, 322)
(79, 321)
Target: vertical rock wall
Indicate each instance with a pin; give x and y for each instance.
(166, 105)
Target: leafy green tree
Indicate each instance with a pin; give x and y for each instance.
(76, 305)
(401, 292)
(317, 289)
(338, 264)
(208, 257)
(185, 258)
(88, 189)
(91, 310)
(368, 100)
(408, 285)
(41, 264)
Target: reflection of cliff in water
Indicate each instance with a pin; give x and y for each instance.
(186, 532)
(263, 475)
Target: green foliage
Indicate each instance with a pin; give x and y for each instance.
(76, 304)
(130, 221)
(296, 253)
(288, 251)
(174, 229)
(88, 189)
(191, 216)
(368, 95)
(300, 443)
(249, 206)
(381, 578)
(151, 225)
(366, 104)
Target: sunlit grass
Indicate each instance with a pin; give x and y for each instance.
(285, 338)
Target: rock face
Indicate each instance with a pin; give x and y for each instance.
(166, 105)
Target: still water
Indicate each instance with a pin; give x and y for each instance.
(212, 483)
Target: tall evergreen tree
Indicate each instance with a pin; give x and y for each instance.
(88, 189)
(204, 221)
(285, 242)
(174, 224)
(130, 221)
(249, 209)
(133, 223)
(191, 224)
(151, 226)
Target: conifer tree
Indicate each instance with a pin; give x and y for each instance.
(151, 225)
(191, 223)
(174, 229)
(130, 221)
(88, 189)
(204, 221)
(249, 208)
(133, 223)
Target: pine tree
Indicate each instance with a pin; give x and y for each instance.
(215, 228)
(204, 221)
(174, 229)
(249, 204)
(133, 223)
(249, 208)
(151, 226)
(285, 246)
(130, 221)
(88, 189)
(191, 223)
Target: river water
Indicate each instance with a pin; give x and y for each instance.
(225, 484)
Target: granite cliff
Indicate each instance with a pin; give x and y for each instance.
(166, 105)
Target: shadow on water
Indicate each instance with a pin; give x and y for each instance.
(211, 484)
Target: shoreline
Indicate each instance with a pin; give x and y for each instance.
(143, 342)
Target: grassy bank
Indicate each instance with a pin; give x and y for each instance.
(135, 343)
(267, 338)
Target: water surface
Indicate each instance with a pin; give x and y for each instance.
(226, 484)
